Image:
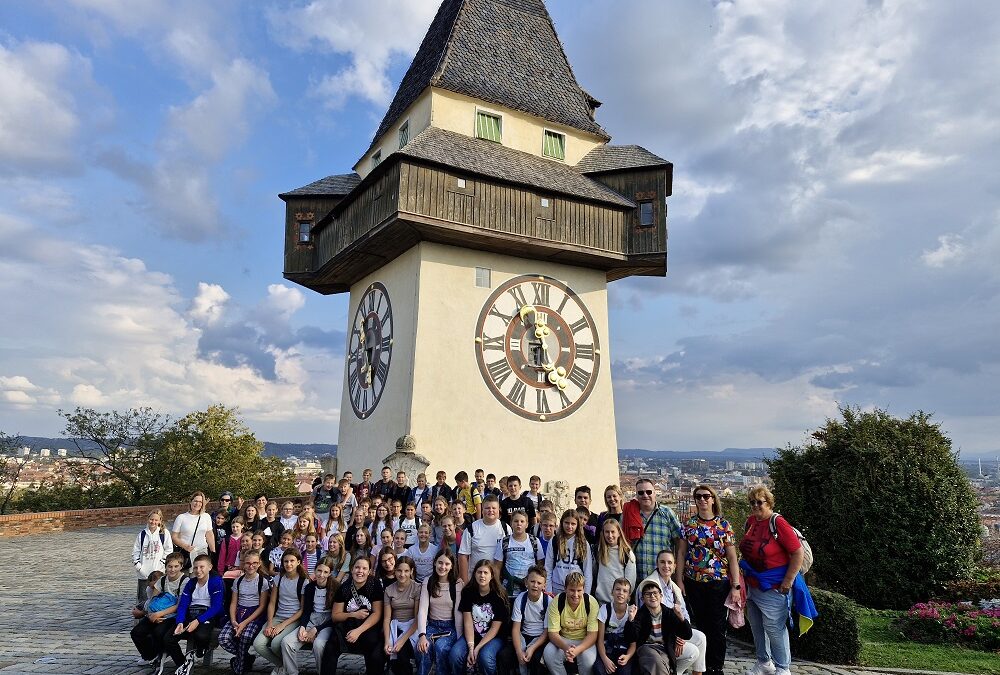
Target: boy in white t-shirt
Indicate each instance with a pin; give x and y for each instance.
(528, 613)
(516, 553)
(480, 541)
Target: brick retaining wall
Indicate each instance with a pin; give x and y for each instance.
(17, 524)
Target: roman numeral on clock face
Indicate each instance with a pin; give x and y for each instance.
(541, 402)
(499, 371)
(517, 393)
(541, 293)
(579, 377)
(493, 343)
(585, 351)
(381, 370)
(503, 317)
(518, 296)
(578, 326)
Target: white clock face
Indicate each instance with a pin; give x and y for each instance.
(369, 351)
(538, 348)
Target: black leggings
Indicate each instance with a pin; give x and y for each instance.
(707, 603)
(370, 645)
(149, 637)
(402, 664)
(200, 640)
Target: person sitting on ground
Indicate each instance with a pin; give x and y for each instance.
(284, 607)
(357, 621)
(314, 626)
(615, 635)
(657, 629)
(484, 612)
(150, 633)
(399, 625)
(246, 614)
(572, 627)
(439, 622)
(529, 613)
(197, 612)
(690, 653)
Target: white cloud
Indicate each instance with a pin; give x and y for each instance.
(361, 31)
(894, 166)
(950, 249)
(283, 301)
(39, 120)
(105, 330)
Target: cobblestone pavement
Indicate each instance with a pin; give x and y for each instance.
(66, 597)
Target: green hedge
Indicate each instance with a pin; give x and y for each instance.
(834, 638)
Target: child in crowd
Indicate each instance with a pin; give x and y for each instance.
(589, 531)
(303, 528)
(399, 541)
(399, 625)
(324, 496)
(271, 526)
(615, 640)
(314, 626)
(382, 521)
(409, 524)
(528, 614)
(468, 495)
(439, 509)
(484, 612)
(335, 523)
(250, 517)
(691, 650)
(546, 529)
(246, 613)
(569, 552)
(533, 492)
(572, 626)
(517, 553)
(151, 630)
(199, 609)
(385, 543)
(422, 493)
(230, 547)
(246, 545)
(658, 629)
(422, 553)
(439, 623)
(150, 551)
(614, 560)
(427, 513)
(347, 500)
(274, 557)
(220, 530)
(284, 607)
(358, 523)
(337, 558)
(385, 570)
(362, 545)
(312, 555)
(288, 516)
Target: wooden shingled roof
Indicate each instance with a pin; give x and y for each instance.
(332, 186)
(618, 158)
(504, 52)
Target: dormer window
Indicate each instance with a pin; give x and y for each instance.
(554, 145)
(489, 126)
(404, 133)
(646, 214)
(376, 159)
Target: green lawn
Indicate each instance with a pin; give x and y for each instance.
(884, 646)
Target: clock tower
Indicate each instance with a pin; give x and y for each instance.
(476, 236)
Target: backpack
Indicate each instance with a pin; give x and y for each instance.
(504, 527)
(505, 545)
(807, 552)
(298, 587)
(562, 602)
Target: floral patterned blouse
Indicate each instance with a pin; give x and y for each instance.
(706, 548)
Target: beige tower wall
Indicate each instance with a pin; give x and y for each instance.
(436, 391)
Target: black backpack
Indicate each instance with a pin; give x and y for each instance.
(260, 584)
(562, 602)
(505, 546)
(524, 603)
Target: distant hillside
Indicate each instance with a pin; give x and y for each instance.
(300, 450)
(735, 454)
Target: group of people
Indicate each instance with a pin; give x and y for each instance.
(469, 577)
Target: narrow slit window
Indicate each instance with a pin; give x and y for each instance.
(554, 145)
(646, 214)
(404, 133)
(488, 126)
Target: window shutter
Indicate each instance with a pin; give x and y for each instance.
(488, 126)
(554, 145)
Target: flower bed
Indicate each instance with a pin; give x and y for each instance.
(973, 625)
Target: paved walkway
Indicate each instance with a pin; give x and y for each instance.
(66, 599)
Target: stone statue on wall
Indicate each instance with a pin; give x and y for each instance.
(558, 491)
(405, 458)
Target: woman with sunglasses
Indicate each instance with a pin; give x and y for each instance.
(709, 572)
(767, 610)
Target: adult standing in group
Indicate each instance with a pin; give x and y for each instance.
(227, 506)
(775, 558)
(649, 526)
(192, 531)
(708, 572)
(613, 500)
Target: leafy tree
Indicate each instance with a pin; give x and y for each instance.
(120, 447)
(12, 468)
(888, 511)
(213, 450)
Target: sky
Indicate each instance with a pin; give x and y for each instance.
(834, 231)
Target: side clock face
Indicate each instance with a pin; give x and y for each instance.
(538, 348)
(369, 351)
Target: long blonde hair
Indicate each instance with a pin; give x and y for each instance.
(579, 539)
(159, 513)
(624, 550)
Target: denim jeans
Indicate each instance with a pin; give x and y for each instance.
(767, 612)
(485, 664)
(440, 650)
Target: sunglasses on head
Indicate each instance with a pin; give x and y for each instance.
(644, 492)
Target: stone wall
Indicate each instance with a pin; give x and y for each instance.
(17, 524)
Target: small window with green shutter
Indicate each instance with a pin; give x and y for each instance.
(488, 126)
(554, 145)
(376, 159)
(404, 133)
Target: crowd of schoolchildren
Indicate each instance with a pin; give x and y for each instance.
(464, 578)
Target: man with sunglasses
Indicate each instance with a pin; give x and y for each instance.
(649, 526)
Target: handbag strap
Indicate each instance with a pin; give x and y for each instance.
(196, 526)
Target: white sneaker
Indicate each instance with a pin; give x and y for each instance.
(782, 671)
(763, 668)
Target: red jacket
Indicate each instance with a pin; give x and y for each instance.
(632, 523)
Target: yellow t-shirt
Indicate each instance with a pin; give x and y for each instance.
(573, 624)
(471, 497)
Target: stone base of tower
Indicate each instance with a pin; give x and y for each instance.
(435, 390)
